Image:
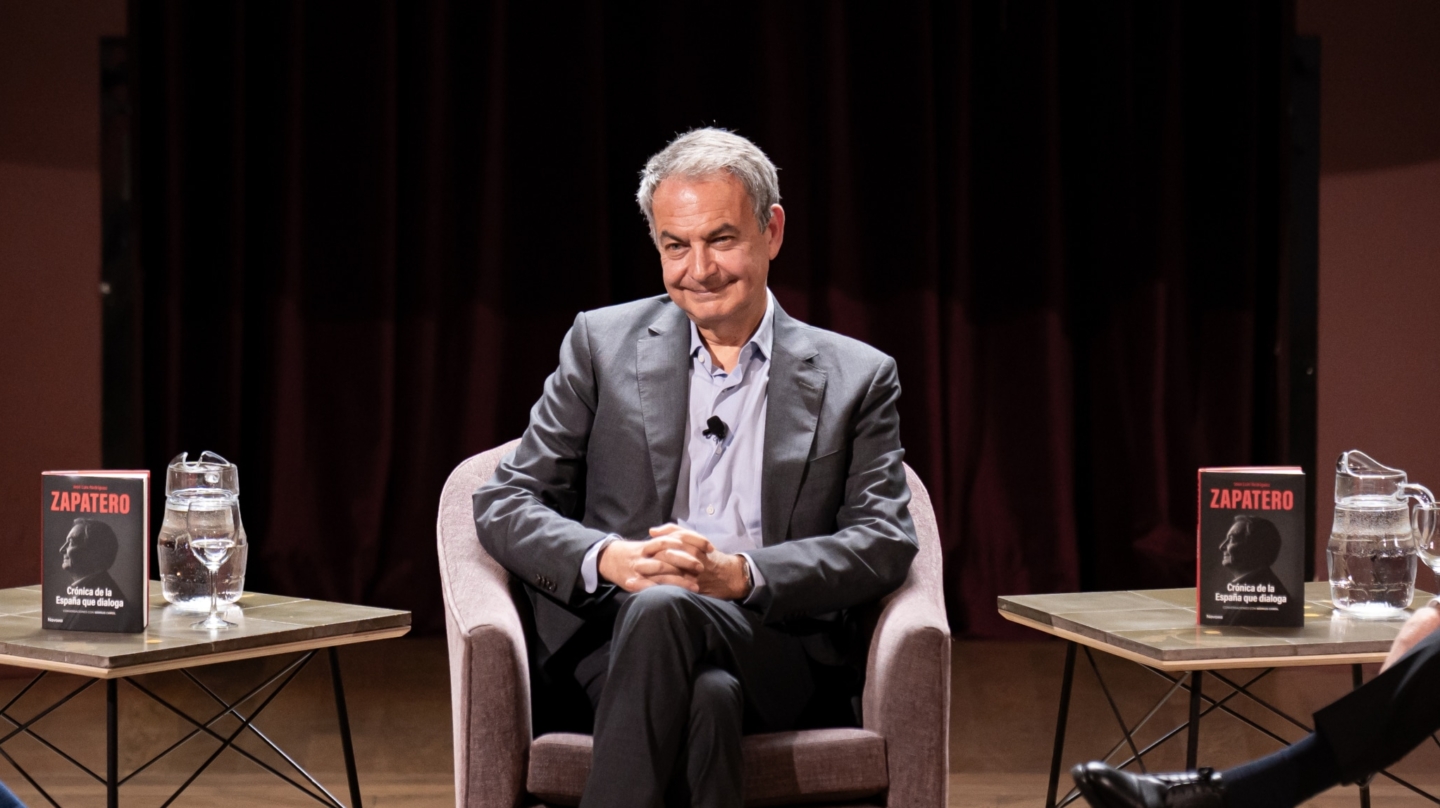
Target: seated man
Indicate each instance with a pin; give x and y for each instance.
(707, 488)
(1358, 735)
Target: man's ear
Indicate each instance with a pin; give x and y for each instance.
(775, 230)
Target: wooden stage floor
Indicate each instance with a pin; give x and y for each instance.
(1002, 719)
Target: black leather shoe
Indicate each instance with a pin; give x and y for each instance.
(1107, 787)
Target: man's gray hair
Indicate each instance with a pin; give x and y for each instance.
(704, 152)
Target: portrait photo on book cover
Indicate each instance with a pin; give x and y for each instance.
(89, 554)
(1250, 551)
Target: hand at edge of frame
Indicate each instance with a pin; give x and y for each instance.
(1424, 621)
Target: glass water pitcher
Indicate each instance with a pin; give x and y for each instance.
(1377, 536)
(198, 485)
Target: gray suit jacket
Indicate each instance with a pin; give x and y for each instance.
(603, 449)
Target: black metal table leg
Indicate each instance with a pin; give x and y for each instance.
(1068, 680)
(1357, 678)
(112, 737)
(112, 781)
(1192, 746)
(344, 717)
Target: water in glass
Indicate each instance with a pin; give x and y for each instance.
(1372, 557)
(212, 527)
(183, 578)
(185, 581)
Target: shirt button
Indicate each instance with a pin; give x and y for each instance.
(710, 509)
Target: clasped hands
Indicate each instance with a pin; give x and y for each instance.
(676, 556)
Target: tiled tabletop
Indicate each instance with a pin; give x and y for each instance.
(1157, 627)
(266, 624)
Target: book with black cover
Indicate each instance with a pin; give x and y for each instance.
(1251, 545)
(96, 528)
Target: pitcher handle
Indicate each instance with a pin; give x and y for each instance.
(1424, 519)
(1422, 496)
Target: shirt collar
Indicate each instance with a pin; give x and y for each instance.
(762, 339)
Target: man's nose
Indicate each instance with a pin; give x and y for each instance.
(702, 264)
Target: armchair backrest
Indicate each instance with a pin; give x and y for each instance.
(461, 556)
(489, 673)
(927, 573)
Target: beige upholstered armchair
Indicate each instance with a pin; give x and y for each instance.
(899, 758)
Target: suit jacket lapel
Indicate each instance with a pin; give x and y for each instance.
(792, 411)
(662, 366)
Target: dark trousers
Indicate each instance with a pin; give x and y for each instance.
(1379, 723)
(678, 679)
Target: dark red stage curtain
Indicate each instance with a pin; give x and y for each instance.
(364, 227)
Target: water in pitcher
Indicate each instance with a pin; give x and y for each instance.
(185, 580)
(1372, 557)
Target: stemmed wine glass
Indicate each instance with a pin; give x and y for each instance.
(212, 533)
(1425, 524)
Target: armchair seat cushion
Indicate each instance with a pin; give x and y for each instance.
(781, 768)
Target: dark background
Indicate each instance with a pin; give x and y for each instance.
(360, 231)
(1379, 198)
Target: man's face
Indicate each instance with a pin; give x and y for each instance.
(1237, 552)
(715, 256)
(75, 554)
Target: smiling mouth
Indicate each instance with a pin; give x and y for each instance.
(715, 290)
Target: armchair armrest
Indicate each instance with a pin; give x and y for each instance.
(489, 673)
(907, 681)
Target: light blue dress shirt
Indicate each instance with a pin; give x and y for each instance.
(720, 497)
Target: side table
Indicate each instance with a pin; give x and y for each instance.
(1156, 629)
(267, 625)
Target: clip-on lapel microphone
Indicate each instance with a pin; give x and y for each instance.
(716, 431)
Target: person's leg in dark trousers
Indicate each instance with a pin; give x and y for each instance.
(1363, 732)
(1373, 727)
(8, 798)
(709, 768)
(682, 668)
(710, 754)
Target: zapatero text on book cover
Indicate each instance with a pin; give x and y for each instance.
(1251, 547)
(96, 562)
